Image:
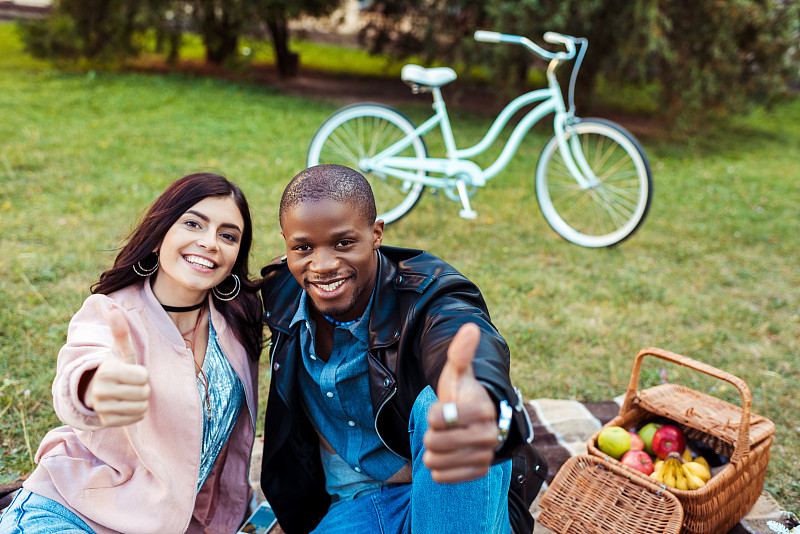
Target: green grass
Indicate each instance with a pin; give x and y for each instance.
(714, 273)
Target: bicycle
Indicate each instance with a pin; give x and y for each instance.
(593, 181)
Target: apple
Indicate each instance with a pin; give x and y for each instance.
(646, 433)
(614, 441)
(666, 439)
(637, 443)
(639, 460)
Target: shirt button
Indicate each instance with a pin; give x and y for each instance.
(329, 394)
(399, 279)
(313, 357)
(357, 469)
(386, 382)
(276, 366)
(268, 314)
(351, 423)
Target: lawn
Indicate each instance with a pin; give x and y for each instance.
(713, 274)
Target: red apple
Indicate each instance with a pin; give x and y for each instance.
(637, 443)
(668, 438)
(639, 460)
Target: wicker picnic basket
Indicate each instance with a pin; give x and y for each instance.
(591, 496)
(729, 430)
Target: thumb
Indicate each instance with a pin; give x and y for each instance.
(460, 354)
(123, 347)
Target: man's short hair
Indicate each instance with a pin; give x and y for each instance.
(330, 182)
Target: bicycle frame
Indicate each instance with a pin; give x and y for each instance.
(461, 172)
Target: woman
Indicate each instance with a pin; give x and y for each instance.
(157, 382)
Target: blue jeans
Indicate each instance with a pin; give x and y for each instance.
(424, 506)
(30, 513)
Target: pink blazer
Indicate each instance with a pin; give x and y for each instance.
(142, 478)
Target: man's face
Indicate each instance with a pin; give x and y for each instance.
(330, 250)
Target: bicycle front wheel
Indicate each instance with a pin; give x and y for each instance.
(361, 131)
(612, 207)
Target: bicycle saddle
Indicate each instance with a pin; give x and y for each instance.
(435, 77)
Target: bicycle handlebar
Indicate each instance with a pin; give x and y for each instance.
(550, 37)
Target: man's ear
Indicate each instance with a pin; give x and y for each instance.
(377, 234)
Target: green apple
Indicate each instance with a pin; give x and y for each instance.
(614, 441)
(646, 433)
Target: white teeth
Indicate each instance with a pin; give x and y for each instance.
(202, 262)
(330, 287)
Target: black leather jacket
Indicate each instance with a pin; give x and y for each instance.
(419, 302)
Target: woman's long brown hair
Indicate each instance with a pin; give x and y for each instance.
(243, 314)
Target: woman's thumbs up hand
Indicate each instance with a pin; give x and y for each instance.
(119, 390)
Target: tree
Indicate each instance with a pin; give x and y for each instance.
(706, 56)
(276, 15)
(93, 29)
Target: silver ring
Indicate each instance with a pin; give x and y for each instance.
(450, 413)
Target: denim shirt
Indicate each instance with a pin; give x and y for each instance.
(336, 397)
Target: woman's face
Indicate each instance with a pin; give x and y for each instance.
(198, 251)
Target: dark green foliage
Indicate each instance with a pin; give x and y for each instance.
(706, 56)
(92, 29)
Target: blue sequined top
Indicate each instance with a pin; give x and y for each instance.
(226, 395)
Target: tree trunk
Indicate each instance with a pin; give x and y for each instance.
(287, 61)
(220, 36)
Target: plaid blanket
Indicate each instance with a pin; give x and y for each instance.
(561, 428)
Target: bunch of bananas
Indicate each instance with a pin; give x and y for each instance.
(682, 472)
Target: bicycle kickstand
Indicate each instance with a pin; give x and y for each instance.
(467, 212)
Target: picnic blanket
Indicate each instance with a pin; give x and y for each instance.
(561, 428)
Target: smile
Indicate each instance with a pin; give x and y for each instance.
(332, 286)
(200, 262)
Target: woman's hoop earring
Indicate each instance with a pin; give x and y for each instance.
(145, 271)
(232, 294)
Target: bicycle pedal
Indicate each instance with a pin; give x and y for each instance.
(468, 214)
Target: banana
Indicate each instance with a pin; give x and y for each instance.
(670, 473)
(693, 482)
(687, 455)
(658, 471)
(680, 480)
(702, 461)
(669, 478)
(699, 470)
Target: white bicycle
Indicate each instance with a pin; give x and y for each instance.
(593, 181)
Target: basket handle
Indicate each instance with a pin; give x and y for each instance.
(743, 441)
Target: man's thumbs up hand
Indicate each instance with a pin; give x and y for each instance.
(462, 426)
(119, 390)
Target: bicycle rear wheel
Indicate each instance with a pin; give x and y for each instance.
(361, 131)
(608, 211)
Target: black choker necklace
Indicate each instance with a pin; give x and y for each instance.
(179, 309)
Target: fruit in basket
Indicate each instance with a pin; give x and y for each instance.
(669, 472)
(676, 473)
(702, 461)
(614, 441)
(637, 443)
(638, 460)
(699, 470)
(646, 433)
(666, 439)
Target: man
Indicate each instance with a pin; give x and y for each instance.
(364, 339)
